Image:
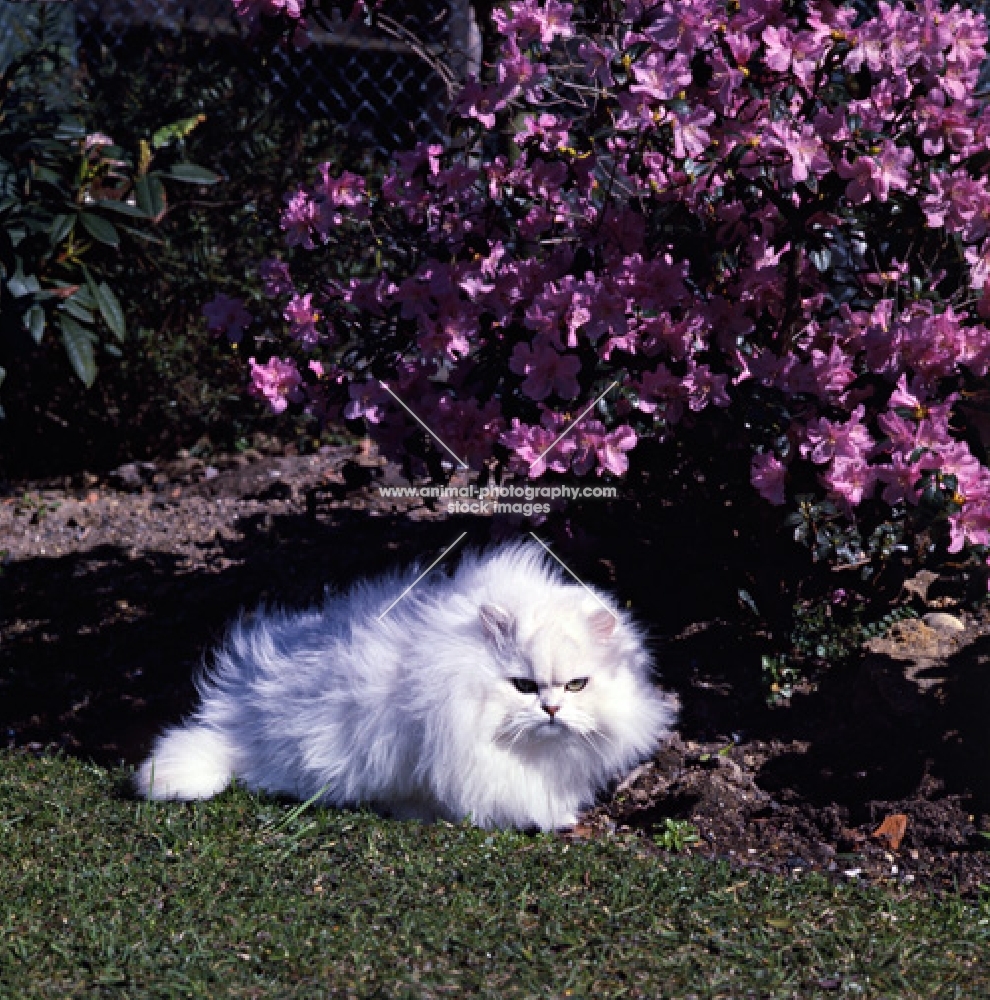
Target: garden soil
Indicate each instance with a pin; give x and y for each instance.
(114, 587)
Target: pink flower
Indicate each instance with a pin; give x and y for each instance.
(447, 336)
(518, 75)
(607, 451)
(825, 440)
(536, 449)
(466, 427)
(546, 370)
(302, 318)
(228, 315)
(662, 392)
(300, 219)
(704, 388)
(368, 400)
(659, 78)
(597, 62)
(253, 9)
(768, 474)
(276, 277)
(96, 140)
(971, 526)
(900, 478)
(851, 479)
(875, 176)
(691, 137)
(528, 21)
(799, 52)
(332, 194)
(803, 149)
(903, 397)
(480, 101)
(278, 381)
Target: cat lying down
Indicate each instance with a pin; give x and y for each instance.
(504, 694)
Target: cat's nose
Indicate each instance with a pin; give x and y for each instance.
(551, 710)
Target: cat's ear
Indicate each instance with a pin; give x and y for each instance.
(602, 623)
(498, 623)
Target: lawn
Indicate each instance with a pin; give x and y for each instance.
(241, 897)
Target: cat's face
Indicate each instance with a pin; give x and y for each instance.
(557, 671)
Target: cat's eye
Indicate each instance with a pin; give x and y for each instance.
(524, 685)
(578, 684)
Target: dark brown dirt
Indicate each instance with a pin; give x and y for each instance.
(113, 588)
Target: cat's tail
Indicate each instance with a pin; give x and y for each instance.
(194, 761)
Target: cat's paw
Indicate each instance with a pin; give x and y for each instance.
(563, 824)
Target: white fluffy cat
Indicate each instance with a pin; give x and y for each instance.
(503, 693)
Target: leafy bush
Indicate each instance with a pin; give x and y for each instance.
(70, 198)
(765, 219)
(171, 386)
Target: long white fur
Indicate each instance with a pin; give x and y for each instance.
(415, 713)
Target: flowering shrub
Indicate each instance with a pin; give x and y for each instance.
(770, 215)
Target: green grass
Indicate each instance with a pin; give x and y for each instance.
(101, 896)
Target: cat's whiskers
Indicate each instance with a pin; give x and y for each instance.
(596, 738)
(510, 732)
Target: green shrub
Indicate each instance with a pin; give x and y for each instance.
(71, 199)
(175, 383)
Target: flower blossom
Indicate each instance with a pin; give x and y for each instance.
(278, 381)
(225, 314)
(768, 474)
(546, 370)
(302, 319)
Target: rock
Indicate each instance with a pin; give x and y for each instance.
(132, 476)
(939, 621)
(185, 470)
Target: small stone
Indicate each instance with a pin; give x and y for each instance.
(128, 477)
(939, 621)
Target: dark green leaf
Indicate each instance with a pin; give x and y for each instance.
(78, 343)
(21, 284)
(150, 193)
(70, 128)
(100, 229)
(135, 211)
(34, 322)
(746, 599)
(84, 294)
(77, 310)
(190, 173)
(110, 309)
(47, 176)
(62, 225)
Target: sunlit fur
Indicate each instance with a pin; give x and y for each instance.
(415, 713)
